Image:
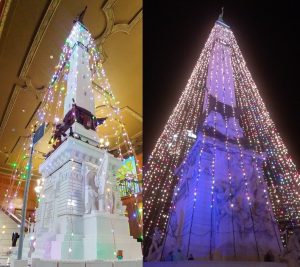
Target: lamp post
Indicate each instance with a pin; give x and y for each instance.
(36, 136)
(24, 208)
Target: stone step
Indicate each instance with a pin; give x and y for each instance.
(3, 261)
(7, 227)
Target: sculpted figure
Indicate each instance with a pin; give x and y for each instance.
(215, 120)
(109, 199)
(31, 246)
(234, 128)
(92, 196)
(293, 249)
(155, 240)
(100, 181)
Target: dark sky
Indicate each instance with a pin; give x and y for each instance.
(268, 36)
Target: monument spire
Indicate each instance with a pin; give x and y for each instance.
(219, 194)
(79, 85)
(220, 19)
(221, 15)
(79, 104)
(80, 16)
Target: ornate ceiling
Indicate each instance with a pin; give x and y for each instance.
(32, 34)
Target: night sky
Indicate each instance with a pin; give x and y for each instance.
(268, 35)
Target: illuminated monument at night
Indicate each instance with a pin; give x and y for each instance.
(80, 214)
(220, 172)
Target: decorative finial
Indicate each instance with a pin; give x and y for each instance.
(220, 20)
(80, 16)
(221, 15)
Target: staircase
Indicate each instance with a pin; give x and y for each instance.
(8, 225)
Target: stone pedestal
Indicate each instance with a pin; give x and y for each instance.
(222, 209)
(99, 263)
(65, 228)
(105, 234)
(60, 247)
(18, 263)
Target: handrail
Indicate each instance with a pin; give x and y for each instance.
(15, 218)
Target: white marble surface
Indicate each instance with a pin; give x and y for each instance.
(71, 264)
(106, 233)
(96, 263)
(18, 263)
(64, 218)
(79, 82)
(99, 263)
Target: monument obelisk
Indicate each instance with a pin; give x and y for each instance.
(221, 208)
(80, 214)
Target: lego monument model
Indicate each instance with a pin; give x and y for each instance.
(80, 215)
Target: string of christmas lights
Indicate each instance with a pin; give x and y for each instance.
(113, 133)
(279, 172)
(48, 113)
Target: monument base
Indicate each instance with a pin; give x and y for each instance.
(105, 234)
(18, 263)
(95, 263)
(67, 246)
(214, 264)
